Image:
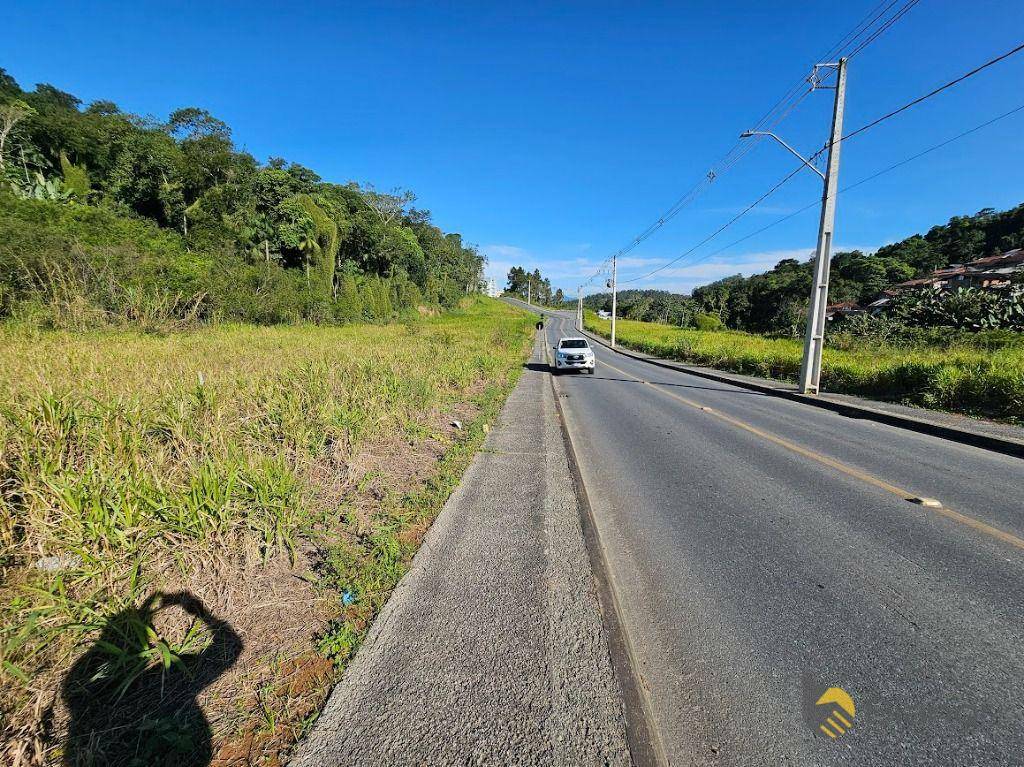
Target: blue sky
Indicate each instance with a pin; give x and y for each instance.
(551, 133)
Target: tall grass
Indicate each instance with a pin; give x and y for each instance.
(960, 377)
(125, 457)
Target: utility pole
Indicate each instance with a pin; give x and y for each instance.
(615, 304)
(814, 335)
(579, 308)
(529, 287)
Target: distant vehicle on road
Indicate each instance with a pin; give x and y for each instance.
(574, 354)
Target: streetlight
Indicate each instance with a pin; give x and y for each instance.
(792, 151)
(814, 337)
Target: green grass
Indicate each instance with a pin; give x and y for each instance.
(960, 378)
(142, 460)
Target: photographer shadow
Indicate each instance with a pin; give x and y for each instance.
(132, 701)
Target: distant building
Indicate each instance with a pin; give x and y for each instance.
(844, 309)
(990, 272)
(994, 271)
(603, 314)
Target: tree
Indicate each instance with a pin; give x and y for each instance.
(10, 116)
(193, 124)
(102, 108)
(146, 162)
(387, 206)
(206, 155)
(308, 231)
(517, 281)
(349, 302)
(9, 87)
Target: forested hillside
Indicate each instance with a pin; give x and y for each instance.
(109, 216)
(776, 301)
(646, 305)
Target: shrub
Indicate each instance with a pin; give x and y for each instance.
(708, 322)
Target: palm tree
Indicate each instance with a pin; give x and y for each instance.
(309, 247)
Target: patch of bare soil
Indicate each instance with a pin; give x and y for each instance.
(247, 680)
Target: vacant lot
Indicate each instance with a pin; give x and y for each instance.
(960, 377)
(197, 529)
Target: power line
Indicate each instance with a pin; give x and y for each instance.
(850, 135)
(885, 26)
(722, 228)
(856, 184)
(772, 118)
(935, 92)
(865, 24)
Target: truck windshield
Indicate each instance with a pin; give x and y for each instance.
(574, 343)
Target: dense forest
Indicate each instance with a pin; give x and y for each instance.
(106, 215)
(776, 301)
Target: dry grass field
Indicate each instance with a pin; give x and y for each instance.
(196, 529)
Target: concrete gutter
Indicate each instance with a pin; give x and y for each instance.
(645, 745)
(926, 423)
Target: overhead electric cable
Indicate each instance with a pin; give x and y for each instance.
(882, 29)
(850, 135)
(935, 92)
(772, 118)
(722, 228)
(856, 184)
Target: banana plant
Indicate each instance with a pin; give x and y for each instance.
(41, 188)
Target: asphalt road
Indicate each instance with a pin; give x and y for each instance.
(761, 550)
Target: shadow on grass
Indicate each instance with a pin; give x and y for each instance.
(132, 697)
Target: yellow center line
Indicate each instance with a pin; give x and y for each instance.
(906, 495)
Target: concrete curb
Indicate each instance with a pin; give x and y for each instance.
(645, 746)
(985, 441)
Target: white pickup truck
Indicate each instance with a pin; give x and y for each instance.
(574, 354)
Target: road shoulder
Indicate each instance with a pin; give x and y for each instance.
(492, 648)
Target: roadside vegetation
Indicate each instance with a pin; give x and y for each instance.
(111, 218)
(977, 373)
(234, 397)
(775, 302)
(197, 528)
(923, 343)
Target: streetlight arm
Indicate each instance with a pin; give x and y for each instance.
(791, 150)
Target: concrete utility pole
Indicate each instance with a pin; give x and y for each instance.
(579, 308)
(529, 287)
(814, 336)
(615, 304)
